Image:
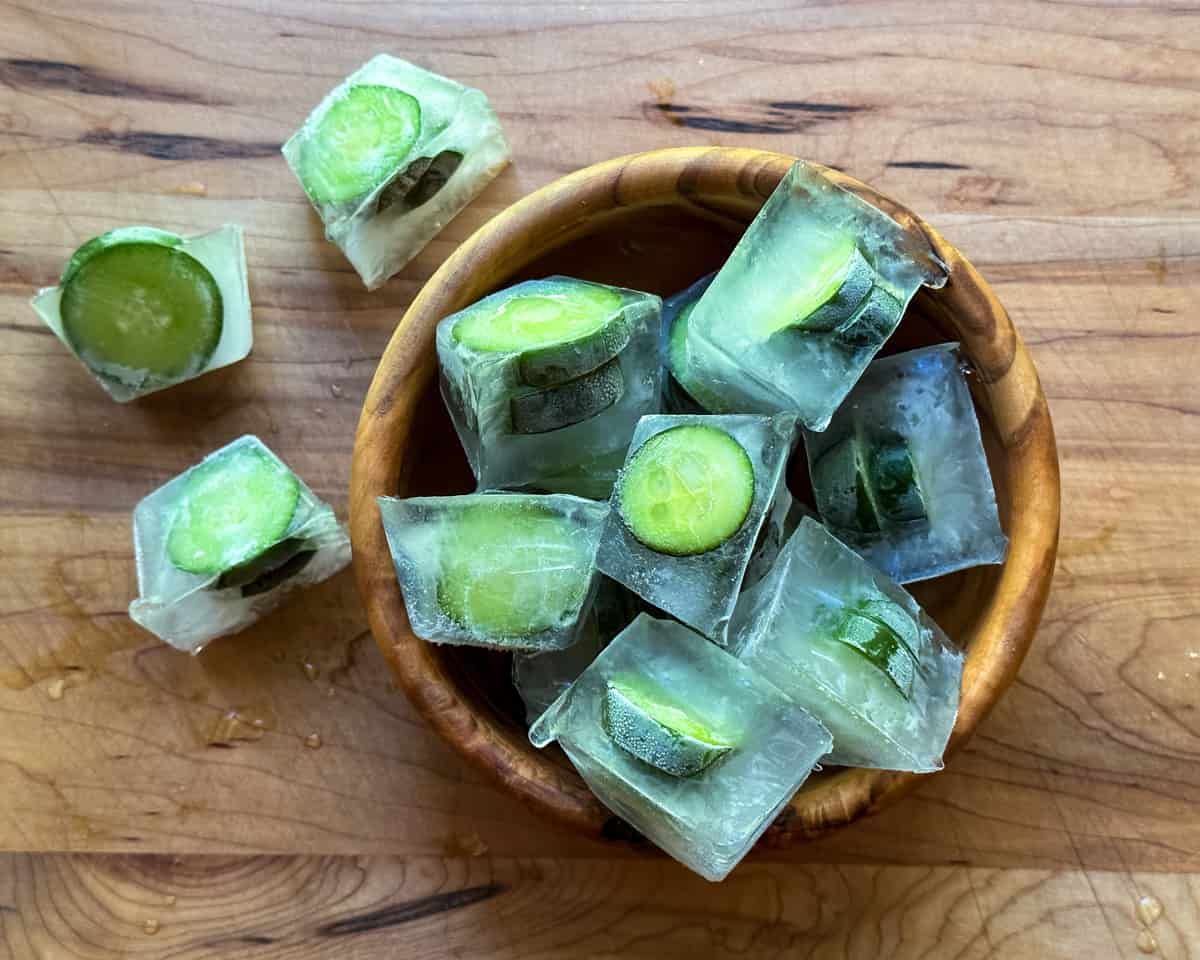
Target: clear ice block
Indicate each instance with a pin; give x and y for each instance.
(509, 571)
(541, 678)
(701, 589)
(676, 312)
(187, 609)
(708, 820)
(222, 253)
(943, 517)
(505, 403)
(772, 333)
(855, 649)
(380, 202)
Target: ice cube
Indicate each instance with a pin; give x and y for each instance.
(691, 747)
(546, 380)
(676, 312)
(813, 289)
(390, 156)
(853, 647)
(540, 678)
(900, 474)
(510, 571)
(223, 543)
(688, 514)
(115, 349)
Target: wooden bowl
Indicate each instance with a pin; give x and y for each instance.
(656, 221)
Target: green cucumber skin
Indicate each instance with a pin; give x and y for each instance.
(561, 363)
(134, 234)
(840, 310)
(569, 403)
(882, 647)
(843, 496)
(270, 568)
(419, 182)
(659, 746)
(872, 323)
(896, 483)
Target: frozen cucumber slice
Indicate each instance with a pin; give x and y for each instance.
(894, 479)
(882, 647)
(686, 490)
(358, 143)
(561, 330)
(842, 488)
(269, 569)
(420, 181)
(512, 569)
(135, 306)
(872, 323)
(642, 720)
(234, 506)
(836, 281)
(572, 402)
(677, 363)
(885, 611)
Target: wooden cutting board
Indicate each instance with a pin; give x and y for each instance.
(1054, 143)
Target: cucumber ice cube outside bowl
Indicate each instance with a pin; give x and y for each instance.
(657, 222)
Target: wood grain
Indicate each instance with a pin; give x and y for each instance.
(1053, 142)
(97, 908)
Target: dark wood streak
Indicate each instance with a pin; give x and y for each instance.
(778, 116)
(179, 146)
(925, 165)
(56, 75)
(813, 106)
(412, 910)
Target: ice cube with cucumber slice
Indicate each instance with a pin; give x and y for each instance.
(852, 647)
(815, 286)
(508, 571)
(901, 474)
(390, 156)
(691, 747)
(144, 309)
(546, 380)
(688, 509)
(224, 542)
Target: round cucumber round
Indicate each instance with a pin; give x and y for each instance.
(569, 403)
(686, 490)
(894, 478)
(133, 309)
(842, 490)
(882, 647)
(512, 569)
(358, 143)
(643, 721)
(560, 329)
(234, 506)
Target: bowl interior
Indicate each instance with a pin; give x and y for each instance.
(663, 248)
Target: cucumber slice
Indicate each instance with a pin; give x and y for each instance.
(882, 647)
(894, 479)
(840, 481)
(572, 402)
(561, 329)
(358, 143)
(642, 720)
(686, 490)
(677, 364)
(420, 181)
(837, 280)
(512, 569)
(885, 611)
(269, 569)
(872, 323)
(234, 507)
(134, 306)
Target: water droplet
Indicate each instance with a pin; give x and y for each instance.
(172, 899)
(1146, 942)
(56, 689)
(150, 927)
(310, 670)
(336, 390)
(1149, 909)
(313, 741)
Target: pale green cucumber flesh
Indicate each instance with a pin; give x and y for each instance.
(560, 329)
(358, 143)
(511, 569)
(234, 506)
(686, 490)
(856, 279)
(138, 309)
(644, 721)
(553, 408)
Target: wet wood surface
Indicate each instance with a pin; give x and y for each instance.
(1054, 143)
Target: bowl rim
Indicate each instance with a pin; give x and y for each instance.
(1006, 376)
